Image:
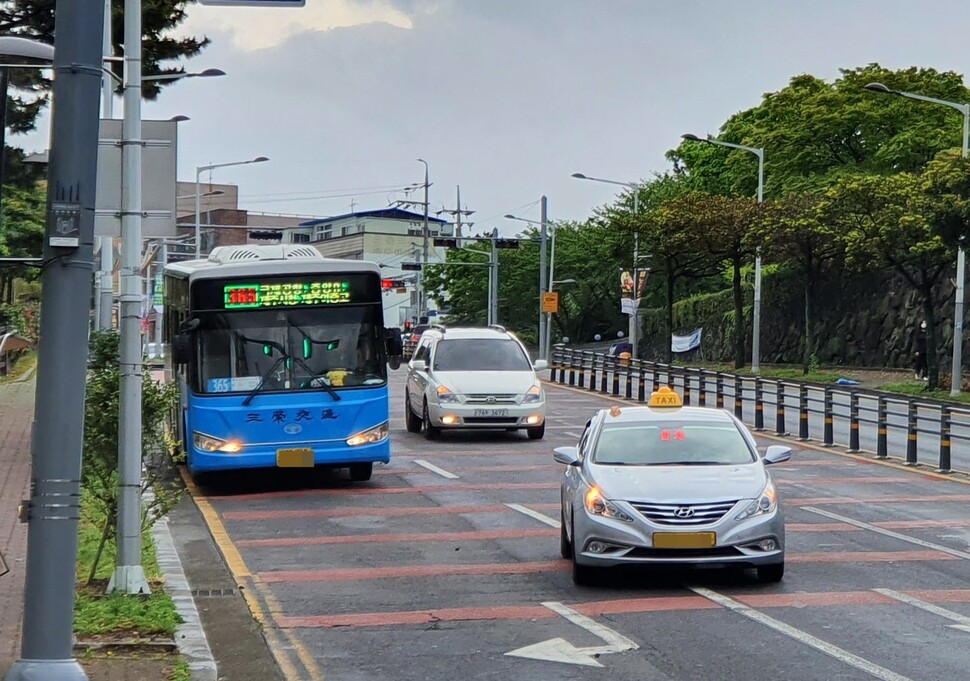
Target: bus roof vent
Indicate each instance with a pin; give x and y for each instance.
(231, 254)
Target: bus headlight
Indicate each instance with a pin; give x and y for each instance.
(369, 436)
(207, 443)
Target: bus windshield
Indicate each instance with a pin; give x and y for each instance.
(290, 349)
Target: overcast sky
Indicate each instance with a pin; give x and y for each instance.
(506, 98)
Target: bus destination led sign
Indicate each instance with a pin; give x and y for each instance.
(286, 294)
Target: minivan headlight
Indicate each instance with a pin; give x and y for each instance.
(207, 443)
(766, 502)
(597, 504)
(445, 396)
(533, 395)
(369, 436)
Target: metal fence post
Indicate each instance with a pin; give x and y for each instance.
(687, 387)
(944, 440)
(616, 380)
(582, 368)
(629, 381)
(641, 388)
(780, 408)
(854, 422)
(738, 397)
(701, 389)
(592, 373)
(572, 370)
(882, 440)
(828, 435)
(655, 377)
(759, 404)
(911, 433)
(803, 412)
(719, 390)
(603, 378)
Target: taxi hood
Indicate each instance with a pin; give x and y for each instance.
(680, 484)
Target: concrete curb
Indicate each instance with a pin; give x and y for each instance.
(189, 636)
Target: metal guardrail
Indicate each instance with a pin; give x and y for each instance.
(927, 429)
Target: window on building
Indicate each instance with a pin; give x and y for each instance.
(323, 232)
(299, 238)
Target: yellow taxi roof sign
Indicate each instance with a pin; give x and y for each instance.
(615, 411)
(664, 397)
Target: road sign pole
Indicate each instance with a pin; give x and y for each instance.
(53, 511)
(543, 284)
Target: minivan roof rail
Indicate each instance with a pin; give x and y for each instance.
(497, 327)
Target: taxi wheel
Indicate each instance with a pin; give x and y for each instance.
(537, 432)
(430, 431)
(565, 548)
(411, 422)
(361, 472)
(771, 573)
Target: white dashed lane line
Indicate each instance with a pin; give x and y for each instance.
(552, 522)
(434, 469)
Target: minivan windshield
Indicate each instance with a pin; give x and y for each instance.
(672, 443)
(480, 354)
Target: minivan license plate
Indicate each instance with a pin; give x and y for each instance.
(294, 458)
(491, 412)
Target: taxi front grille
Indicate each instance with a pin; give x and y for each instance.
(683, 515)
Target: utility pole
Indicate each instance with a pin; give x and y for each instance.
(543, 283)
(423, 296)
(53, 509)
(105, 297)
(493, 280)
(129, 575)
(458, 213)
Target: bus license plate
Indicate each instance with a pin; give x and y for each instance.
(491, 412)
(684, 540)
(294, 458)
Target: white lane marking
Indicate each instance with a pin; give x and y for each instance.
(804, 637)
(962, 621)
(434, 469)
(571, 434)
(561, 650)
(889, 533)
(552, 522)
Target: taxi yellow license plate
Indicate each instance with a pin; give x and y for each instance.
(294, 458)
(684, 540)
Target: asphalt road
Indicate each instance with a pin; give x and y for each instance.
(448, 560)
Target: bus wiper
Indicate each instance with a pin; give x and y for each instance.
(284, 356)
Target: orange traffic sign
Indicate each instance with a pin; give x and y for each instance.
(550, 302)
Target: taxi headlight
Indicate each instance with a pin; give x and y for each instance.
(207, 443)
(445, 396)
(369, 436)
(766, 502)
(533, 395)
(597, 504)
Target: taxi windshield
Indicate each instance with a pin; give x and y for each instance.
(672, 443)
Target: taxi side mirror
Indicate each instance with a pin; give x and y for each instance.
(567, 455)
(777, 454)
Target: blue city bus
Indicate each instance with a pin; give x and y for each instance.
(280, 356)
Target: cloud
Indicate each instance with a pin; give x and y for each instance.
(257, 28)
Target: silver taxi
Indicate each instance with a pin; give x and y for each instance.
(670, 484)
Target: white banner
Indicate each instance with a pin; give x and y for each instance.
(686, 343)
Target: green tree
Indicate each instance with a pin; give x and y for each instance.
(885, 217)
(21, 233)
(791, 231)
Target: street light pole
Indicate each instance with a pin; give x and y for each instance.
(422, 295)
(198, 195)
(756, 313)
(543, 236)
(634, 327)
(956, 369)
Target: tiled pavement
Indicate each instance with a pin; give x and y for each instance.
(16, 414)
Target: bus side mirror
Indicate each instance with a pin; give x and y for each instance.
(182, 348)
(393, 343)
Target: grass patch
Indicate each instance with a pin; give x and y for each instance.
(918, 389)
(23, 365)
(785, 373)
(181, 671)
(119, 615)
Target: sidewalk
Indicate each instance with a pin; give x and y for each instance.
(16, 415)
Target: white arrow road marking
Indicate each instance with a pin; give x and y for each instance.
(889, 533)
(542, 518)
(962, 621)
(801, 636)
(434, 469)
(561, 650)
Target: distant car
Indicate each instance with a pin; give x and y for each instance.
(473, 378)
(410, 339)
(670, 484)
(617, 348)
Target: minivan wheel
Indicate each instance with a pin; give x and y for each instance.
(537, 432)
(771, 573)
(430, 432)
(411, 422)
